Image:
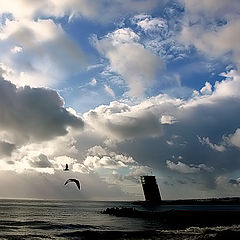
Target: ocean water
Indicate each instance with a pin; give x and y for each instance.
(50, 219)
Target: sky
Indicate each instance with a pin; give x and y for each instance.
(119, 89)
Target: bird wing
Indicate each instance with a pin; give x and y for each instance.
(78, 184)
(69, 180)
(74, 180)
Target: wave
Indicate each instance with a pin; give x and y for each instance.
(188, 234)
(43, 225)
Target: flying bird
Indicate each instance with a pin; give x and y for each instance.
(73, 180)
(66, 168)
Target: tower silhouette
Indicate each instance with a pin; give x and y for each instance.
(150, 189)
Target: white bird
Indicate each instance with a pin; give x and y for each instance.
(73, 180)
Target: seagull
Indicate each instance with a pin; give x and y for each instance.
(73, 180)
(66, 168)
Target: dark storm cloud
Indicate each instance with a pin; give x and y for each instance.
(34, 113)
(6, 148)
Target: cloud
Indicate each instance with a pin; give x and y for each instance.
(93, 82)
(33, 114)
(212, 8)
(109, 90)
(184, 168)
(159, 127)
(207, 89)
(137, 65)
(160, 35)
(99, 157)
(120, 121)
(128, 139)
(42, 162)
(227, 185)
(147, 23)
(138, 171)
(206, 141)
(151, 117)
(101, 11)
(233, 139)
(211, 26)
(167, 119)
(38, 53)
(6, 148)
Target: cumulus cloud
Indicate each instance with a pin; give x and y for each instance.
(207, 89)
(202, 28)
(99, 157)
(120, 121)
(137, 65)
(151, 117)
(184, 168)
(31, 50)
(42, 162)
(148, 23)
(233, 139)
(33, 114)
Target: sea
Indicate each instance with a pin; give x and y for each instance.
(60, 219)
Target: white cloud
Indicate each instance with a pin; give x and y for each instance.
(202, 29)
(100, 10)
(234, 139)
(181, 167)
(206, 141)
(16, 49)
(167, 119)
(43, 53)
(184, 168)
(120, 121)
(109, 90)
(93, 82)
(123, 35)
(147, 23)
(207, 89)
(99, 157)
(137, 65)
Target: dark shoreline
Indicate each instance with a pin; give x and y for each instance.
(181, 218)
(207, 201)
